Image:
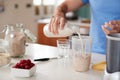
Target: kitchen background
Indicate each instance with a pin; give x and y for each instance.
(29, 12)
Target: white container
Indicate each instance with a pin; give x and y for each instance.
(61, 33)
(23, 72)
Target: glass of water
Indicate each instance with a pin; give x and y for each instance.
(63, 46)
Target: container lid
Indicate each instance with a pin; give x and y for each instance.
(115, 36)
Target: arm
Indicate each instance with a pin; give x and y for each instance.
(70, 5)
(58, 18)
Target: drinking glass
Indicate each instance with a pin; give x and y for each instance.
(4, 55)
(81, 47)
(63, 46)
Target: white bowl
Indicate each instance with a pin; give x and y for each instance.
(17, 72)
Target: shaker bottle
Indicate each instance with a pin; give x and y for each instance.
(81, 47)
(113, 53)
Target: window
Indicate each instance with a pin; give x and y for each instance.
(45, 8)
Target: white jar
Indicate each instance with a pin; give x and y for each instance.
(61, 32)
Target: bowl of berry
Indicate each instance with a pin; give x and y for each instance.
(23, 68)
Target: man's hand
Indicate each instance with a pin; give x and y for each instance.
(58, 20)
(111, 27)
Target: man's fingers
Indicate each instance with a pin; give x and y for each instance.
(108, 25)
(56, 25)
(113, 31)
(118, 22)
(115, 22)
(105, 30)
(50, 25)
(62, 23)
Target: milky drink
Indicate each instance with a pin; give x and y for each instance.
(81, 60)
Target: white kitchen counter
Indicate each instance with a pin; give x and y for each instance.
(54, 69)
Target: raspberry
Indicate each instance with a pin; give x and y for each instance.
(24, 64)
(32, 64)
(23, 61)
(27, 67)
(28, 61)
(17, 65)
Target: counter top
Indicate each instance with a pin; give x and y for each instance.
(54, 69)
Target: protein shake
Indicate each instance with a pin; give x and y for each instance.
(82, 62)
(81, 53)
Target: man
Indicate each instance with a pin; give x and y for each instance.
(104, 14)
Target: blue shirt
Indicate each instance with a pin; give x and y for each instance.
(101, 11)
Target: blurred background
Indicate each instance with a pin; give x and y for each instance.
(34, 14)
